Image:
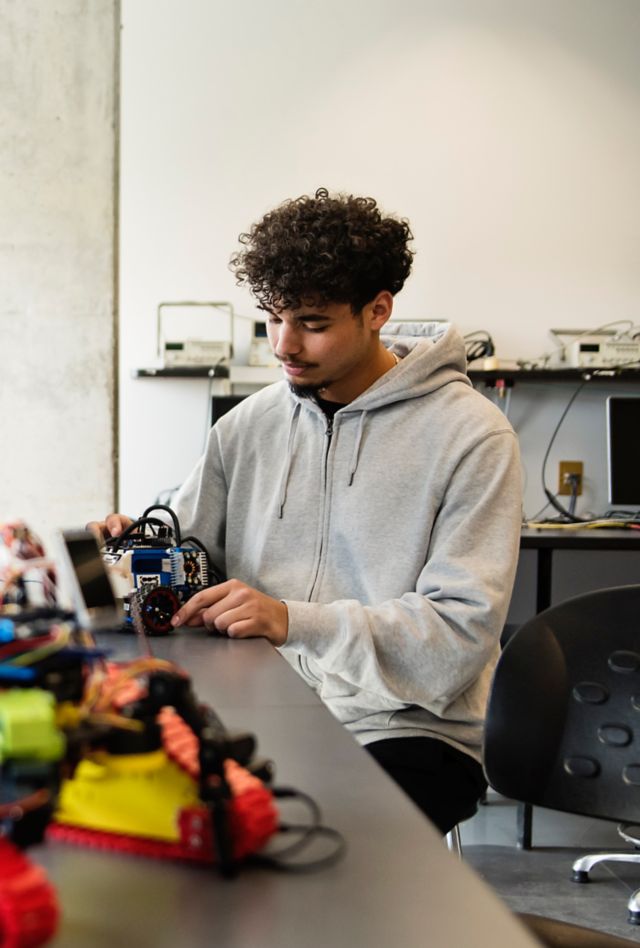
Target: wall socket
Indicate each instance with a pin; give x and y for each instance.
(564, 470)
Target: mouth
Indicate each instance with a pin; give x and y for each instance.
(295, 368)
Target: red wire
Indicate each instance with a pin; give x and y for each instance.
(26, 645)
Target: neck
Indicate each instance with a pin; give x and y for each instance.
(346, 391)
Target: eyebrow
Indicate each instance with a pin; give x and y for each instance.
(306, 318)
(313, 318)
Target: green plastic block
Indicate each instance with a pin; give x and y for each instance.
(27, 725)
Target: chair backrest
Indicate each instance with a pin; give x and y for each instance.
(563, 721)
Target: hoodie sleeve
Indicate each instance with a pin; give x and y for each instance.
(427, 646)
(201, 503)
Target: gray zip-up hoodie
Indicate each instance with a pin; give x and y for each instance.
(392, 535)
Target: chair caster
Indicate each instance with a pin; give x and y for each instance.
(579, 875)
(634, 918)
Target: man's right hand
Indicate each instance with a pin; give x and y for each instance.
(111, 526)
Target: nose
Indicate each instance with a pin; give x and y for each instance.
(287, 341)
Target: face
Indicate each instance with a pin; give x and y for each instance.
(330, 349)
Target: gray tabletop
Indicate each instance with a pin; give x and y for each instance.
(397, 884)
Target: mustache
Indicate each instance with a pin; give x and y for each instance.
(296, 365)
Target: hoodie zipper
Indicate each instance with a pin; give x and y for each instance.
(328, 434)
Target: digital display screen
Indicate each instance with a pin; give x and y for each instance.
(623, 449)
(90, 571)
(149, 564)
(260, 330)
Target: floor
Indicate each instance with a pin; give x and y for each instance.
(539, 880)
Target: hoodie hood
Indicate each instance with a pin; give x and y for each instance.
(426, 364)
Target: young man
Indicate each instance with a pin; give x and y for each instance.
(366, 509)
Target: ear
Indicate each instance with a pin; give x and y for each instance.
(380, 309)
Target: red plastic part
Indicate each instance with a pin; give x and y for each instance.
(180, 743)
(29, 911)
(252, 814)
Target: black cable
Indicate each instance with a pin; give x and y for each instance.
(566, 515)
(312, 865)
(555, 503)
(573, 481)
(114, 543)
(176, 525)
(308, 833)
(282, 793)
(631, 516)
(478, 345)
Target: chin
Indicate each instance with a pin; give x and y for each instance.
(305, 391)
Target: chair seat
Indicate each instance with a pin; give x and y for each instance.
(563, 727)
(553, 933)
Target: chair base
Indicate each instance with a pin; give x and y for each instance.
(454, 842)
(583, 866)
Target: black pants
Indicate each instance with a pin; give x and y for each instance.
(445, 783)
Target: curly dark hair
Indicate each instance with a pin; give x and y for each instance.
(323, 249)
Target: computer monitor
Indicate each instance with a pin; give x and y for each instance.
(623, 450)
(85, 575)
(221, 404)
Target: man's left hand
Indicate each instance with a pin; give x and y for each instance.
(238, 610)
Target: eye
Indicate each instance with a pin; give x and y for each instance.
(312, 327)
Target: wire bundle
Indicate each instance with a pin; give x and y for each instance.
(478, 345)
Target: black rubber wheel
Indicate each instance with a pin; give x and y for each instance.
(157, 608)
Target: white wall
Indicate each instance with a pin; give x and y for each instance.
(57, 211)
(506, 130)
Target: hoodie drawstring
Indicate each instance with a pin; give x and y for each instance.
(356, 449)
(286, 471)
(284, 482)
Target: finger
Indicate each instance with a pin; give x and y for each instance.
(223, 619)
(116, 523)
(244, 629)
(198, 603)
(193, 622)
(189, 611)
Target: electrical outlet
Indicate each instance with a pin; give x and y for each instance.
(564, 470)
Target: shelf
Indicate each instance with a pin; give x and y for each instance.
(183, 372)
(582, 538)
(511, 376)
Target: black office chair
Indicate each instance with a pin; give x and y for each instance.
(563, 721)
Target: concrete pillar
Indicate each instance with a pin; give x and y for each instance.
(59, 75)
